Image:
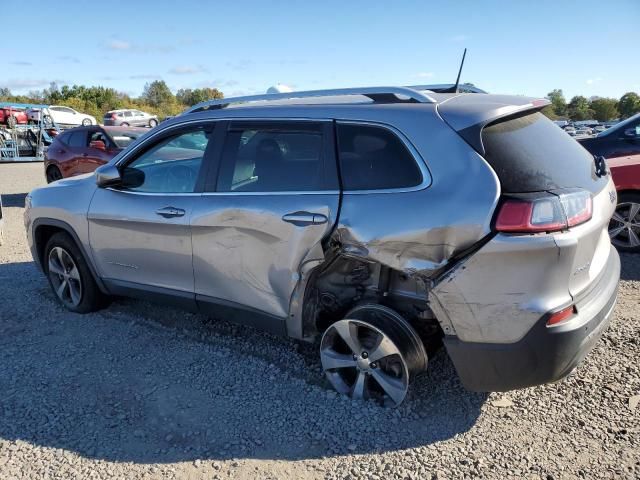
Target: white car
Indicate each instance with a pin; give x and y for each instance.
(61, 115)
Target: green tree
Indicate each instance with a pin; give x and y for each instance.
(629, 104)
(578, 108)
(190, 97)
(157, 93)
(5, 93)
(604, 109)
(558, 102)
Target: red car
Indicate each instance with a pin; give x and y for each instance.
(12, 116)
(624, 227)
(83, 149)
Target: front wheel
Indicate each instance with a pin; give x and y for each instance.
(624, 226)
(86, 122)
(373, 353)
(70, 277)
(53, 174)
(153, 122)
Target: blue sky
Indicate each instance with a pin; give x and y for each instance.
(521, 47)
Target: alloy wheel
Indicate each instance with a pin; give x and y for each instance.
(361, 361)
(624, 226)
(65, 277)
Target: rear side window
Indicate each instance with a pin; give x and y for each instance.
(77, 139)
(273, 158)
(374, 158)
(530, 154)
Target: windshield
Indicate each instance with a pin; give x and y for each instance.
(619, 125)
(123, 139)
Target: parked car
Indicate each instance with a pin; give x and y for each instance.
(379, 228)
(134, 118)
(11, 116)
(83, 149)
(624, 227)
(621, 140)
(63, 116)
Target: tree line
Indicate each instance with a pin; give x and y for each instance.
(156, 98)
(595, 108)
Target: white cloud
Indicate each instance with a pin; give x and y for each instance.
(125, 46)
(144, 76)
(459, 38)
(119, 45)
(187, 70)
(25, 83)
(592, 81)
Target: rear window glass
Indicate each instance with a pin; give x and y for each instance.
(531, 154)
(122, 139)
(373, 158)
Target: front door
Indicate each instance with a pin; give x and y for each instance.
(139, 234)
(275, 199)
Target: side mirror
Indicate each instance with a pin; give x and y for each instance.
(98, 144)
(108, 176)
(631, 133)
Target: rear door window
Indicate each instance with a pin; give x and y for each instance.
(274, 157)
(530, 154)
(374, 158)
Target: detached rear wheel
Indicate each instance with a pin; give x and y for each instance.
(70, 277)
(373, 353)
(624, 226)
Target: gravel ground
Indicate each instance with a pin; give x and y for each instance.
(142, 391)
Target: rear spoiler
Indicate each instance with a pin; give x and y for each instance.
(469, 114)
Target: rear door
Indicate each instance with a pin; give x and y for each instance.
(139, 234)
(94, 157)
(273, 201)
(75, 151)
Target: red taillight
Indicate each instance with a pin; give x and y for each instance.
(545, 213)
(560, 316)
(114, 116)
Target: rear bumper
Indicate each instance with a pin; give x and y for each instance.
(544, 354)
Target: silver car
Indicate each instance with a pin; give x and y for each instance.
(129, 118)
(381, 222)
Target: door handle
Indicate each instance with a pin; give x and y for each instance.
(170, 212)
(305, 218)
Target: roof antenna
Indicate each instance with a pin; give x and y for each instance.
(454, 88)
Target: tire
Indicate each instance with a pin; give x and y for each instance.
(373, 353)
(53, 174)
(153, 123)
(86, 122)
(124, 124)
(12, 121)
(624, 226)
(70, 277)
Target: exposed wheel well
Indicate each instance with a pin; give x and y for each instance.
(343, 282)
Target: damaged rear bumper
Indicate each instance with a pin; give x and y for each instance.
(544, 354)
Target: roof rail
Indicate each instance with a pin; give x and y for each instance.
(447, 88)
(377, 94)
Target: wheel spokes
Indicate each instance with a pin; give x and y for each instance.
(359, 387)
(395, 388)
(634, 208)
(61, 288)
(614, 232)
(332, 360)
(634, 240)
(348, 331)
(617, 217)
(384, 348)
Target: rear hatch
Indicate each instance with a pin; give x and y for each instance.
(545, 176)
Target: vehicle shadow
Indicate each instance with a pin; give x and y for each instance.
(142, 383)
(13, 199)
(630, 266)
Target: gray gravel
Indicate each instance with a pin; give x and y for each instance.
(142, 391)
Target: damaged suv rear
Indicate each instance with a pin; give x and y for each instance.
(381, 222)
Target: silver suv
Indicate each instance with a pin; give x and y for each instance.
(382, 222)
(129, 118)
